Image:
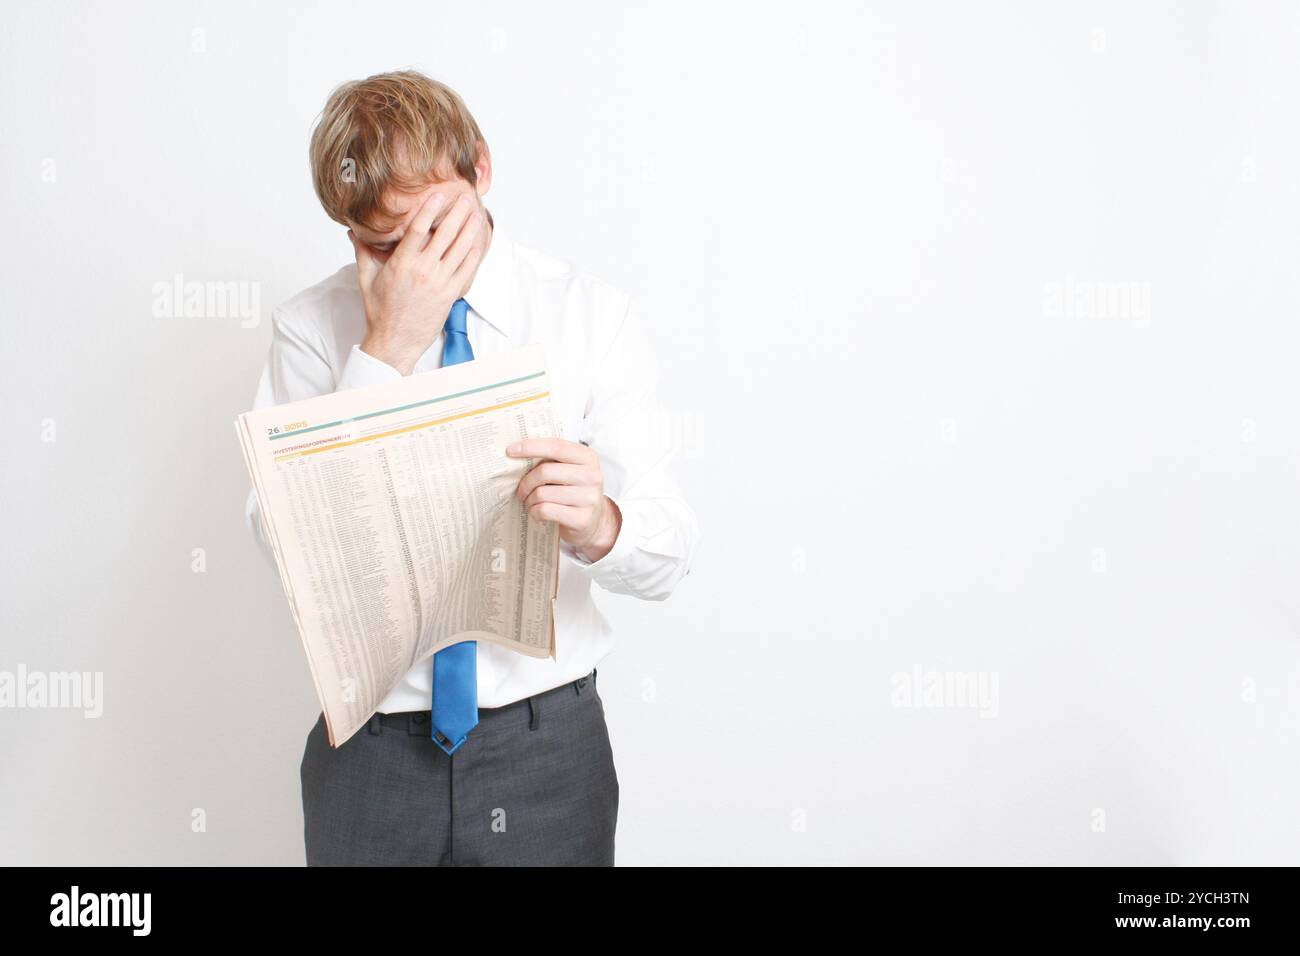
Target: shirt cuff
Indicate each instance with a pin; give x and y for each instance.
(624, 545)
(362, 369)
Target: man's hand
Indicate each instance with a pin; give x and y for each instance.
(569, 489)
(409, 294)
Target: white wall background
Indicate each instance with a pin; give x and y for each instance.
(847, 224)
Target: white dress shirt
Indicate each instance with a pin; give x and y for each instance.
(603, 379)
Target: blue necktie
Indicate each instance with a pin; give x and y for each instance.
(455, 668)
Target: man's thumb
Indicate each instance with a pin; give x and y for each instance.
(366, 264)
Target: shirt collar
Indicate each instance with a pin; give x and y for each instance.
(489, 293)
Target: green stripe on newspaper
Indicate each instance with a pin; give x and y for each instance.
(402, 408)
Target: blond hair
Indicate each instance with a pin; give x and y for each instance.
(402, 129)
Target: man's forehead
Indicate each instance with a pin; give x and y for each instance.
(404, 205)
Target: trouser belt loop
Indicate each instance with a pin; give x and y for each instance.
(375, 725)
(534, 713)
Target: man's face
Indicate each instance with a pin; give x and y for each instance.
(383, 237)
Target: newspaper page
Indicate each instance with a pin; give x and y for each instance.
(392, 517)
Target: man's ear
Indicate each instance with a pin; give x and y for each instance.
(483, 166)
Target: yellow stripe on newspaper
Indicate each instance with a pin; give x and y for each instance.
(414, 428)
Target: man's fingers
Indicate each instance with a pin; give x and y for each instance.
(578, 496)
(564, 515)
(449, 228)
(413, 240)
(555, 449)
(555, 473)
(460, 278)
(465, 242)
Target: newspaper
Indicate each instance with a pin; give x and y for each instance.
(391, 513)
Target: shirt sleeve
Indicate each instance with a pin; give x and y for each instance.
(630, 431)
(297, 368)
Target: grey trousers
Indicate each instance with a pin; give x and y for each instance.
(534, 785)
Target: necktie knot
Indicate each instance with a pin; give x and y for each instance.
(456, 347)
(456, 318)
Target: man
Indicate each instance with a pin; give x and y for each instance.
(480, 755)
